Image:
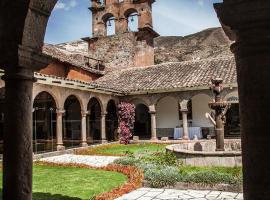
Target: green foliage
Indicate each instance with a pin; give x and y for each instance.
(162, 176)
(163, 159)
(208, 177)
(127, 161)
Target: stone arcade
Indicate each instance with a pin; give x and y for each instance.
(247, 22)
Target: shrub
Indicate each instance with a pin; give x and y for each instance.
(126, 113)
(127, 161)
(162, 176)
(209, 177)
(163, 159)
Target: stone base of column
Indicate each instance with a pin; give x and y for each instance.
(84, 144)
(154, 139)
(185, 138)
(104, 141)
(60, 147)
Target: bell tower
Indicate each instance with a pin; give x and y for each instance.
(125, 47)
(119, 11)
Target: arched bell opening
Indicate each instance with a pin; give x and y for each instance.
(44, 123)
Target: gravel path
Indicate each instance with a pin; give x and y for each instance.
(170, 194)
(94, 161)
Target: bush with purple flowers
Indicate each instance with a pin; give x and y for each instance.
(126, 113)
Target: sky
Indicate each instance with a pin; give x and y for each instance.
(71, 19)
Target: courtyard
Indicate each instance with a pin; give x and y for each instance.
(125, 110)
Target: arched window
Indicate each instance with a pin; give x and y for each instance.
(133, 19)
(109, 21)
(44, 123)
(94, 121)
(72, 121)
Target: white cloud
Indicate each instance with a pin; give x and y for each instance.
(66, 6)
(200, 2)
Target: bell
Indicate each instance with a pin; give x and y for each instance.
(132, 19)
(109, 23)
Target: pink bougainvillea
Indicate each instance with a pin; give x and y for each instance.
(126, 113)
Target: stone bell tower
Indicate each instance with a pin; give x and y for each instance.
(125, 48)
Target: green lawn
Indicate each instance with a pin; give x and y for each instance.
(68, 183)
(118, 149)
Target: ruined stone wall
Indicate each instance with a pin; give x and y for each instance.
(121, 51)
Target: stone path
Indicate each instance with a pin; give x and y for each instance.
(94, 161)
(170, 194)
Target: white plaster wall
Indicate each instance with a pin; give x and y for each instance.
(167, 113)
(199, 108)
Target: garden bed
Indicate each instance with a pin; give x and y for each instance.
(163, 170)
(122, 150)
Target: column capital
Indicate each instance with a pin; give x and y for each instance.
(84, 113)
(152, 112)
(103, 114)
(184, 110)
(60, 111)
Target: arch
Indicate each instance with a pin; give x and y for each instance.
(94, 120)
(109, 22)
(111, 121)
(199, 108)
(44, 122)
(132, 17)
(50, 93)
(72, 122)
(71, 94)
(167, 113)
(142, 125)
(137, 101)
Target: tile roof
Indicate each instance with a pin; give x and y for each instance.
(170, 76)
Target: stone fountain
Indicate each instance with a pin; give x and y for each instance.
(217, 152)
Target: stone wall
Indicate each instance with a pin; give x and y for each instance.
(122, 51)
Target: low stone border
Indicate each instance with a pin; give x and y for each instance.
(198, 186)
(135, 178)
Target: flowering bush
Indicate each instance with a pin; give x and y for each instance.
(126, 113)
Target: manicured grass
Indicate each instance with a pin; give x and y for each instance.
(69, 183)
(122, 150)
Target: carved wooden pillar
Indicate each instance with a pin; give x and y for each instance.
(248, 23)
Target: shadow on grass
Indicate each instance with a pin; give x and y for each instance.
(48, 196)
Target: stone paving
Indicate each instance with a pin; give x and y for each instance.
(94, 161)
(170, 194)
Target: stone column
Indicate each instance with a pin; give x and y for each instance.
(152, 111)
(185, 124)
(184, 111)
(59, 129)
(83, 127)
(248, 23)
(103, 127)
(18, 150)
